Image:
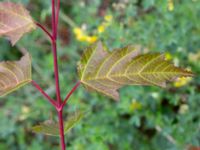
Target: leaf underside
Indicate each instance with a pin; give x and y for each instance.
(14, 74)
(106, 72)
(14, 21)
(51, 128)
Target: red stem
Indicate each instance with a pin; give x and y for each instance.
(53, 19)
(70, 93)
(54, 49)
(61, 129)
(56, 73)
(45, 30)
(55, 12)
(57, 104)
(43, 93)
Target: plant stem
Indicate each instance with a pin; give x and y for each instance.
(54, 49)
(53, 19)
(61, 128)
(58, 104)
(45, 30)
(56, 74)
(43, 93)
(55, 13)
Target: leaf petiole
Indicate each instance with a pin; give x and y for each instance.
(45, 30)
(53, 102)
(70, 93)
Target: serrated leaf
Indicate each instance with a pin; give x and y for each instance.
(14, 74)
(51, 128)
(106, 72)
(14, 21)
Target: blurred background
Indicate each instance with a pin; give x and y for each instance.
(145, 118)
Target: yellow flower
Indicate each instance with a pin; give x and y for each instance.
(81, 37)
(77, 31)
(108, 18)
(168, 56)
(170, 5)
(182, 81)
(101, 28)
(135, 105)
(91, 39)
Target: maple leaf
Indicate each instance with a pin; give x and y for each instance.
(15, 21)
(50, 127)
(106, 72)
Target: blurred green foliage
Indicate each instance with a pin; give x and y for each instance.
(146, 118)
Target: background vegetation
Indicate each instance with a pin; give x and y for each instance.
(146, 118)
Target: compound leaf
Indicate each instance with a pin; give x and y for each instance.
(51, 128)
(14, 21)
(106, 72)
(14, 74)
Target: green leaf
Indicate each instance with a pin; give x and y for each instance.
(106, 72)
(14, 21)
(73, 120)
(48, 127)
(51, 128)
(14, 74)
